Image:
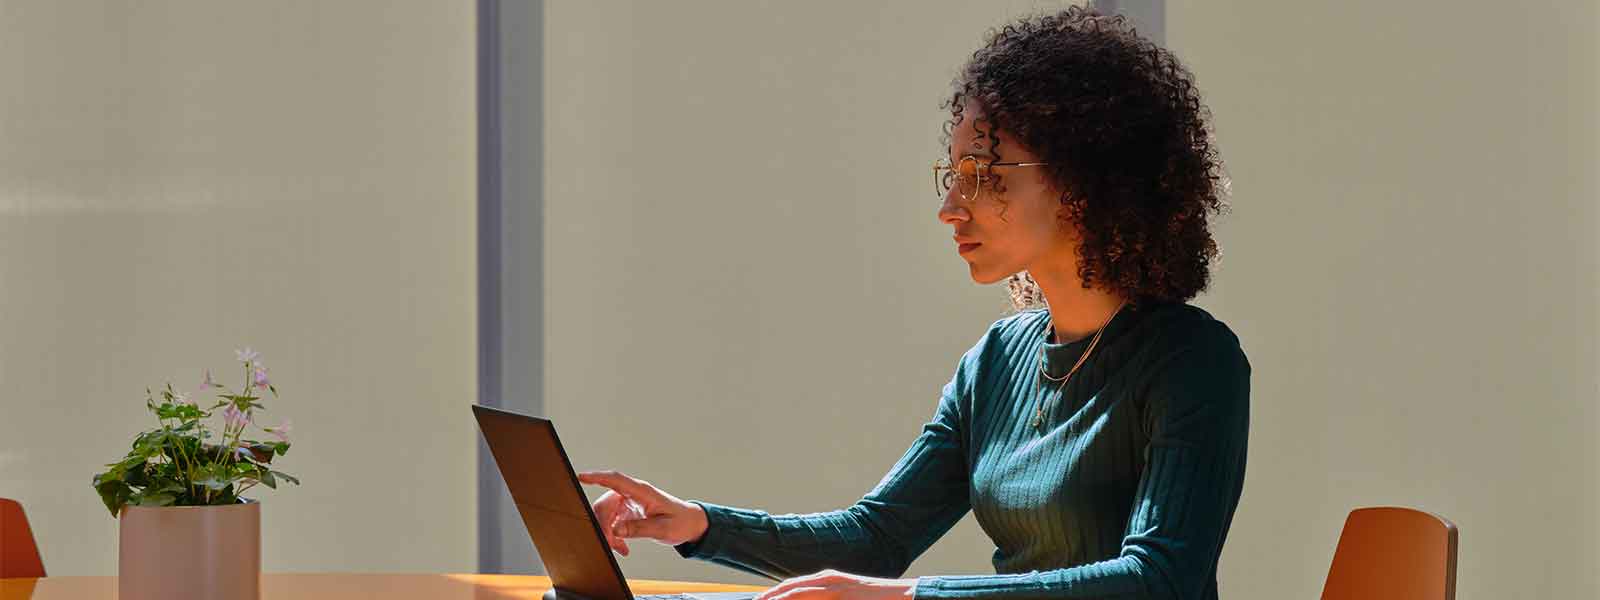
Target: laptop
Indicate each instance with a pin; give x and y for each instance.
(557, 514)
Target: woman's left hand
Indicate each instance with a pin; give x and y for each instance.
(834, 585)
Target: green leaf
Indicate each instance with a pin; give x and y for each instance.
(187, 412)
(156, 500)
(286, 477)
(213, 477)
(113, 472)
(149, 444)
(114, 494)
(267, 480)
(182, 412)
(281, 448)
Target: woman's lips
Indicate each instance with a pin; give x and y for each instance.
(965, 248)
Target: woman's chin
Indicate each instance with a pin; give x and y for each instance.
(982, 276)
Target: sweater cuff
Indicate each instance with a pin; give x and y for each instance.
(972, 587)
(705, 548)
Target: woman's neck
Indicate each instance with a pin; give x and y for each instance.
(1075, 312)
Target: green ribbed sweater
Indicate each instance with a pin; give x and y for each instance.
(1126, 493)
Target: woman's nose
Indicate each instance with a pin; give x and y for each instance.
(951, 210)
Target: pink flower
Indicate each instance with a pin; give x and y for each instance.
(209, 382)
(246, 355)
(281, 432)
(234, 418)
(261, 377)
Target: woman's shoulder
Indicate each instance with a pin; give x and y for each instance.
(1021, 323)
(1181, 324)
(1181, 329)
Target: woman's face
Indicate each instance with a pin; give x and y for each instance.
(1001, 234)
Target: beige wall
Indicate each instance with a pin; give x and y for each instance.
(178, 179)
(751, 302)
(1411, 262)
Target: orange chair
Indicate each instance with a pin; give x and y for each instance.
(19, 556)
(1393, 552)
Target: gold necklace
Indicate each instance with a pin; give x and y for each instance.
(1038, 413)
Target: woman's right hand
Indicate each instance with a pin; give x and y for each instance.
(633, 509)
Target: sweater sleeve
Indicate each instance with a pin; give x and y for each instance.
(923, 495)
(1197, 415)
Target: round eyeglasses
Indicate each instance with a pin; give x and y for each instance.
(968, 176)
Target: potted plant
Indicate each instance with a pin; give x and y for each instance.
(186, 531)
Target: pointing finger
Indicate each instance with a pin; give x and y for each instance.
(623, 484)
(618, 544)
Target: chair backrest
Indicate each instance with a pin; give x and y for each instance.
(19, 555)
(1393, 552)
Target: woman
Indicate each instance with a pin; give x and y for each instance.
(1099, 439)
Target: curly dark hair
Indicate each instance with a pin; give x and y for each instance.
(1121, 124)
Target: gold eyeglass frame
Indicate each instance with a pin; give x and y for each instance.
(969, 166)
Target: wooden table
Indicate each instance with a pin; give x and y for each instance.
(329, 586)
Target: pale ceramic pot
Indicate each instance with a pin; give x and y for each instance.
(190, 552)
